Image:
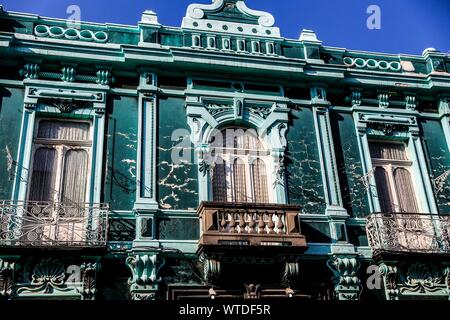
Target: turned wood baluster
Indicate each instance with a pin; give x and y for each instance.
(241, 222)
(261, 223)
(280, 224)
(271, 224)
(251, 223)
(232, 223)
(223, 222)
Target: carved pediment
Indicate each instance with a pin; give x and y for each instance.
(230, 16)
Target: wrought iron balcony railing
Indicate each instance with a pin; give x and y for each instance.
(54, 225)
(249, 224)
(409, 233)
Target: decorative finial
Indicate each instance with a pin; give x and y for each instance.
(149, 17)
(309, 36)
(429, 50)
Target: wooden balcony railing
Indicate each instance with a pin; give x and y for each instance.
(409, 233)
(53, 225)
(249, 224)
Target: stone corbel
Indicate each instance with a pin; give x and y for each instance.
(355, 97)
(319, 96)
(7, 270)
(145, 279)
(291, 271)
(410, 102)
(30, 71)
(383, 100)
(346, 281)
(211, 268)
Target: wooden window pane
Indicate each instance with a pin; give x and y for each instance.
(405, 191)
(384, 191)
(43, 178)
(260, 182)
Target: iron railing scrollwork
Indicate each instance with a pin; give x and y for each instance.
(409, 233)
(50, 224)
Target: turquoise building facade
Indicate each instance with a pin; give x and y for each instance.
(114, 183)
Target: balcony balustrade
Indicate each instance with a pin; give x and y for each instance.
(250, 225)
(400, 233)
(53, 225)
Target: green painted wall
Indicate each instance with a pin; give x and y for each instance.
(121, 142)
(438, 158)
(349, 165)
(177, 181)
(178, 229)
(11, 109)
(304, 177)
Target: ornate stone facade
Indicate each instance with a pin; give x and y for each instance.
(145, 103)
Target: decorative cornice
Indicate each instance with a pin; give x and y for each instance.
(68, 105)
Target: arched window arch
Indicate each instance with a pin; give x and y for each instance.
(240, 167)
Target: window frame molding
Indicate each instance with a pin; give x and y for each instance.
(271, 127)
(390, 166)
(248, 159)
(66, 146)
(364, 120)
(35, 108)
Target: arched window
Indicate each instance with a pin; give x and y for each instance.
(239, 171)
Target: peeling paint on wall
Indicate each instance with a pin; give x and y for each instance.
(177, 181)
(350, 170)
(120, 181)
(438, 158)
(305, 186)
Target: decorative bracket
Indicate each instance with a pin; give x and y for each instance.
(291, 272)
(89, 280)
(145, 268)
(230, 16)
(7, 269)
(383, 100)
(211, 268)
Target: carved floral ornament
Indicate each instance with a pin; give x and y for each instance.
(386, 123)
(205, 116)
(415, 279)
(65, 100)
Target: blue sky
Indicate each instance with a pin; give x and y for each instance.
(407, 26)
